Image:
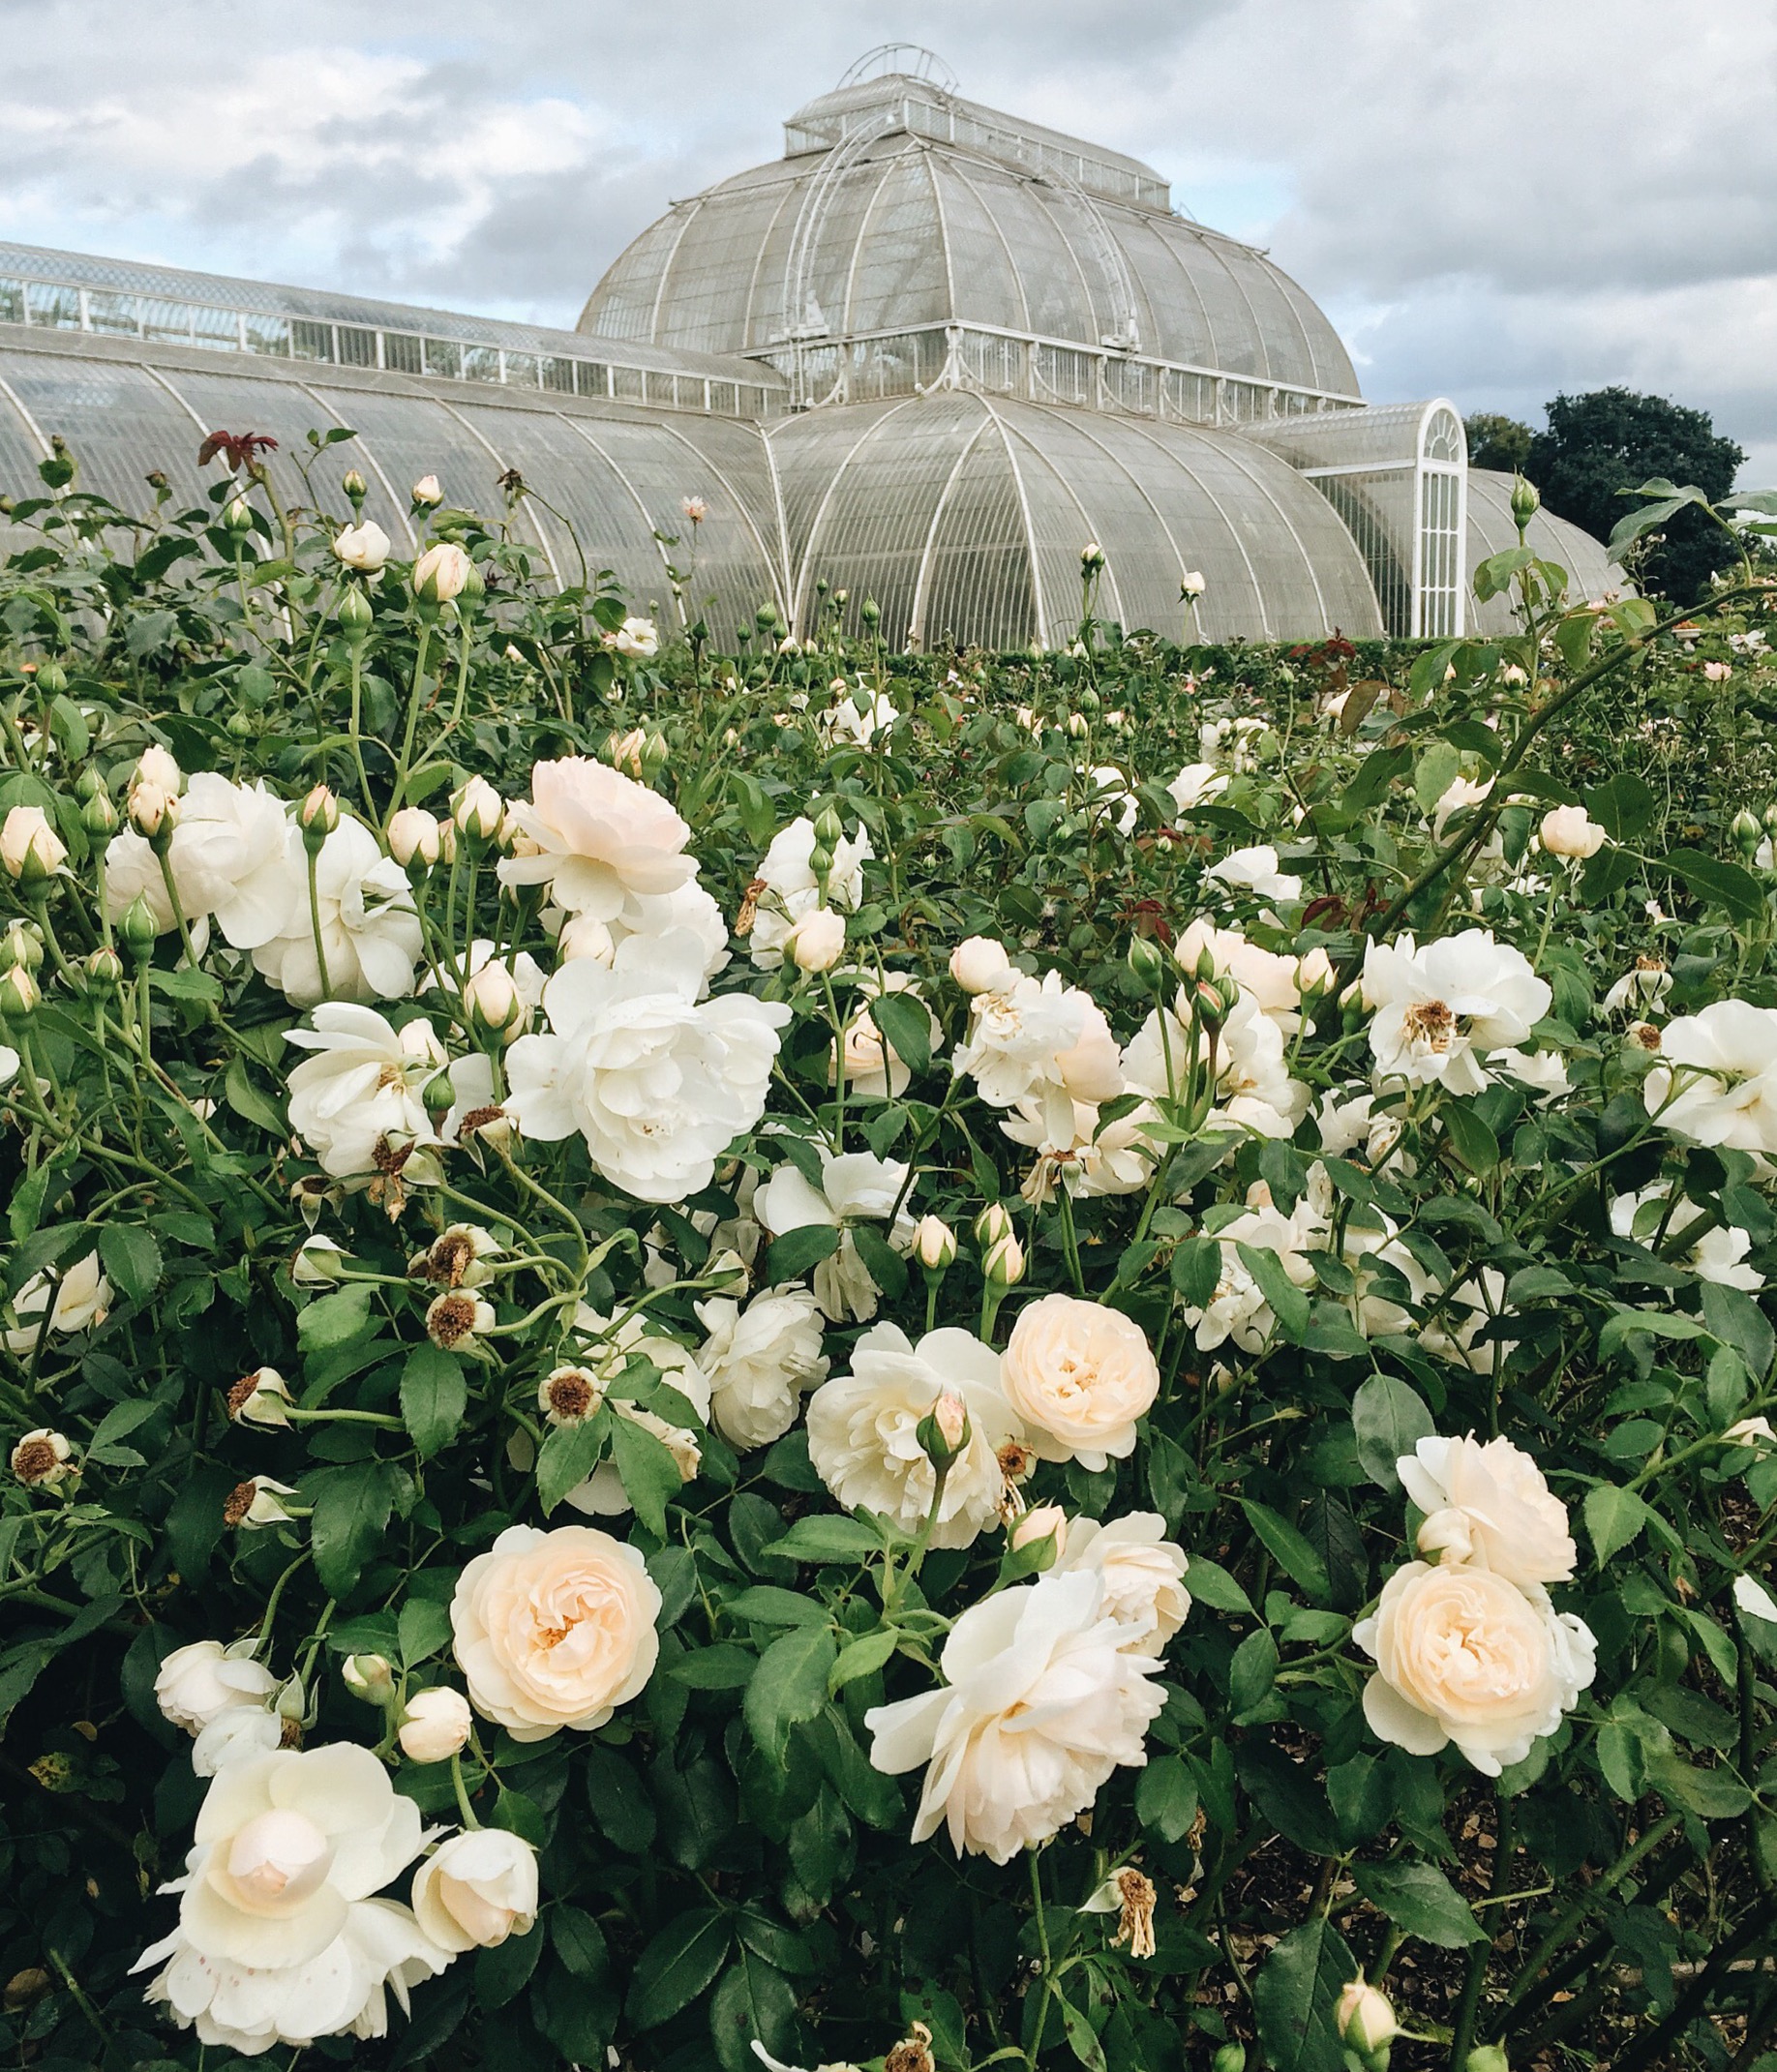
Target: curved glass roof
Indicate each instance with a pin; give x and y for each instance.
(615, 473)
(963, 514)
(891, 228)
(1491, 531)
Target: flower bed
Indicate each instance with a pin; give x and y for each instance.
(818, 1357)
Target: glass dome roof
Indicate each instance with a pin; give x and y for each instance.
(924, 210)
(1491, 531)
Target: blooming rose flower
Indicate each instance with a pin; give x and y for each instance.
(873, 1068)
(858, 718)
(1274, 981)
(1079, 1375)
(198, 1683)
(1470, 1308)
(1141, 1570)
(856, 1187)
(1257, 870)
(1719, 1253)
(1253, 1089)
(1457, 796)
(1645, 983)
(364, 545)
(1440, 1010)
(83, 1297)
(789, 889)
(1716, 1081)
(364, 1086)
(1042, 1701)
(1464, 1655)
(1196, 785)
(1237, 1307)
(637, 638)
(1569, 831)
(1488, 1504)
(240, 1735)
(368, 930)
(476, 1889)
(1043, 1040)
(279, 1939)
(1108, 797)
(235, 855)
(1092, 1159)
(657, 1082)
(758, 1361)
(426, 490)
(598, 836)
(863, 1430)
(555, 1629)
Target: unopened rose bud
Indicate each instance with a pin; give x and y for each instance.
(585, 935)
(426, 493)
(1043, 1532)
(30, 848)
(655, 753)
(1526, 501)
(104, 971)
(477, 810)
(829, 829)
(442, 573)
(1747, 833)
(136, 925)
(319, 812)
(944, 1431)
(980, 964)
(42, 1459)
(238, 516)
(816, 940)
(1364, 2018)
(99, 816)
(934, 1245)
(436, 1725)
(870, 612)
(993, 1224)
(1003, 1262)
(491, 999)
(51, 679)
(1314, 974)
(21, 944)
(1092, 557)
(623, 751)
(20, 995)
(261, 1397)
(369, 1677)
(365, 547)
(355, 487)
(1078, 725)
(153, 810)
(1147, 964)
(1486, 2057)
(1191, 583)
(355, 615)
(447, 839)
(413, 835)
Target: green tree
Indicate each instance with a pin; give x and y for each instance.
(1497, 442)
(1611, 439)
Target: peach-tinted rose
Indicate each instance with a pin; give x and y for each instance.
(1079, 1376)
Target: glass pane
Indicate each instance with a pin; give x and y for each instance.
(268, 335)
(591, 378)
(357, 347)
(12, 302)
(520, 370)
(59, 308)
(558, 375)
(311, 342)
(481, 363)
(403, 354)
(444, 356)
(167, 320)
(220, 329)
(115, 315)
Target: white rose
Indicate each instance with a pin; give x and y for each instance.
(1439, 1009)
(1568, 831)
(81, 1297)
(758, 1361)
(863, 1430)
(199, 1682)
(1257, 870)
(436, 1724)
(789, 889)
(856, 1186)
(1488, 1504)
(816, 940)
(235, 855)
(1079, 1375)
(637, 638)
(1716, 1081)
(555, 1629)
(1195, 785)
(29, 844)
(979, 964)
(442, 573)
(414, 832)
(364, 1085)
(364, 546)
(279, 1939)
(368, 930)
(1142, 1572)
(1462, 1655)
(476, 1889)
(598, 836)
(1042, 1703)
(426, 490)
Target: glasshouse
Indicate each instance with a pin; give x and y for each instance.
(926, 355)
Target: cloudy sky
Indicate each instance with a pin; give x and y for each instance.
(1493, 202)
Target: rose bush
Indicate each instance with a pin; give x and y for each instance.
(661, 1308)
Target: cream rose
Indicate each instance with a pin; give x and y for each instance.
(1462, 1655)
(1141, 1570)
(598, 837)
(198, 1683)
(1488, 1505)
(1079, 1376)
(555, 1629)
(476, 1889)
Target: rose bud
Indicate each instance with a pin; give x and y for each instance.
(477, 810)
(30, 848)
(413, 833)
(934, 1243)
(367, 1677)
(426, 492)
(491, 1001)
(1042, 1534)
(442, 573)
(816, 942)
(478, 1888)
(436, 1725)
(364, 547)
(1365, 2019)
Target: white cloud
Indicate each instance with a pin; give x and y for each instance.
(1495, 203)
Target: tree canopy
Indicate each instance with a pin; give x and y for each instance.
(1497, 441)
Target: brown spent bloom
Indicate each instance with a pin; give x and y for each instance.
(239, 1501)
(1646, 1035)
(451, 1256)
(452, 1318)
(242, 1394)
(478, 1119)
(35, 1461)
(572, 1394)
(913, 2054)
(1135, 1923)
(749, 908)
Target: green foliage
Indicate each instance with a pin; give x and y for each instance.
(1497, 442)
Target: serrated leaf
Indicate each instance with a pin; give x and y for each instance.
(249, 1103)
(1614, 1518)
(860, 1658)
(789, 1686)
(1389, 1418)
(1290, 1305)
(678, 1966)
(904, 1024)
(799, 1251)
(1419, 1898)
(352, 1513)
(131, 1258)
(828, 1538)
(568, 1455)
(333, 1320)
(433, 1398)
(648, 1469)
(1294, 1997)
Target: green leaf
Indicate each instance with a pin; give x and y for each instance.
(118, 1421)
(725, 1666)
(1472, 1141)
(1290, 1305)
(352, 1513)
(789, 1686)
(754, 2002)
(131, 1258)
(1252, 1672)
(1419, 1898)
(1211, 1585)
(678, 1966)
(424, 1629)
(249, 1103)
(1614, 1518)
(1390, 1418)
(568, 1455)
(1626, 1324)
(334, 1319)
(1196, 1268)
(828, 1538)
(1624, 807)
(1167, 1798)
(1288, 1548)
(905, 1025)
(799, 1251)
(1082, 2040)
(1736, 1319)
(884, 1264)
(862, 1658)
(1712, 1794)
(503, 1972)
(1294, 1997)
(1717, 883)
(649, 1470)
(434, 1397)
